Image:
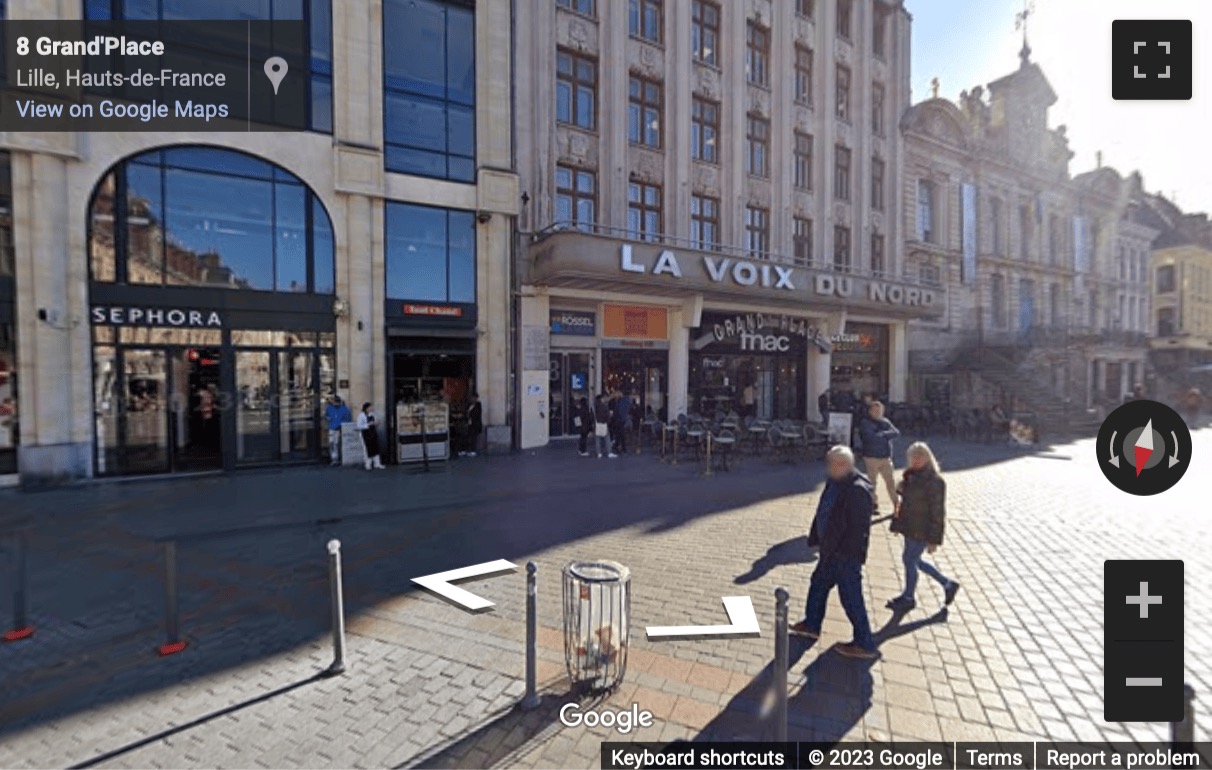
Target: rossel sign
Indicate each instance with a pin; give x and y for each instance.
(120, 315)
(573, 322)
(744, 273)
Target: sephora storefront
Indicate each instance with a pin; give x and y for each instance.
(211, 307)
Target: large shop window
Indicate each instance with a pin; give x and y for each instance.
(860, 360)
(202, 216)
(316, 15)
(429, 88)
(9, 434)
(6, 217)
(431, 254)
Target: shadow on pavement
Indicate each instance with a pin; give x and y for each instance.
(792, 551)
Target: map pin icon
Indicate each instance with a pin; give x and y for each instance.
(275, 70)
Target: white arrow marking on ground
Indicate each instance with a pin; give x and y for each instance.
(1174, 457)
(440, 583)
(1114, 457)
(741, 616)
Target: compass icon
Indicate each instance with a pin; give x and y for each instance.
(1144, 447)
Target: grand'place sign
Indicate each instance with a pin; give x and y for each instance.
(745, 273)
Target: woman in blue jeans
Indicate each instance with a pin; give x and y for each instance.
(920, 517)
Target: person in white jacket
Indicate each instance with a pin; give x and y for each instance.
(370, 436)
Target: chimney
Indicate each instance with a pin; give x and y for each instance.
(1098, 159)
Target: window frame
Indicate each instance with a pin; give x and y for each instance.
(643, 209)
(1170, 285)
(757, 146)
(757, 54)
(802, 239)
(757, 231)
(469, 216)
(802, 161)
(575, 84)
(704, 213)
(879, 255)
(843, 256)
(805, 8)
(640, 107)
(927, 195)
(804, 72)
(879, 33)
(842, 171)
(845, 19)
(700, 107)
(567, 5)
(879, 95)
(701, 30)
(637, 12)
(575, 196)
(879, 171)
(842, 85)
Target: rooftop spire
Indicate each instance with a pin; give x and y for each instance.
(1020, 22)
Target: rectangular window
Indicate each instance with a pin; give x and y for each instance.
(7, 261)
(1024, 232)
(801, 240)
(644, 99)
(803, 75)
(644, 19)
(1167, 322)
(805, 8)
(757, 231)
(802, 163)
(705, 32)
(877, 109)
(583, 7)
(879, 32)
(644, 211)
(843, 93)
(576, 201)
(1166, 280)
(841, 173)
(705, 130)
(757, 54)
(757, 146)
(877, 184)
(705, 222)
(576, 90)
(841, 249)
(997, 292)
(878, 266)
(429, 101)
(845, 17)
(925, 211)
(431, 254)
(996, 226)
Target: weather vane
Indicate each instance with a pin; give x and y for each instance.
(1020, 22)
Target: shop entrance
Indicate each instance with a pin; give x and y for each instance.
(643, 374)
(571, 375)
(432, 370)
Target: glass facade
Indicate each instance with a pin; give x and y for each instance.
(752, 365)
(860, 360)
(429, 100)
(9, 415)
(431, 254)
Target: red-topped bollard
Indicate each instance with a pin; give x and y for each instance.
(21, 628)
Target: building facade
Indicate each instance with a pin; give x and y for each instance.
(1042, 274)
(711, 220)
(1182, 306)
(182, 303)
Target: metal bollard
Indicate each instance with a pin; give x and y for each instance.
(780, 664)
(530, 701)
(21, 628)
(639, 438)
(1184, 732)
(173, 642)
(338, 610)
(709, 472)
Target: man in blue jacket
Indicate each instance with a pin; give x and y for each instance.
(877, 434)
(841, 530)
(335, 414)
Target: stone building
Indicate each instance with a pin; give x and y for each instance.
(183, 302)
(1043, 274)
(712, 219)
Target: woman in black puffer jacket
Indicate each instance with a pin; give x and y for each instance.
(920, 517)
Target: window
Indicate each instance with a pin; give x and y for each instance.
(878, 265)
(802, 163)
(201, 216)
(1024, 232)
(841, 249)
(757, 231)
(576, 90)
(7, 262)
(429, 101)
(705, 32)
(583, 7)
(845, 16)
(841, 173)
(996, 227)
(644, 19)
(843, 93)
(644, 211)
(576, 200)
(1054, 305)
(877, 109)
(644, 112)
(705, 130)
(757, 146)
(930, 275)
(1026, 304)
(997, 300)
(431, 254)
(879, 30)
(1092, 320)
(757, 54)
(705, 222)
(1054, 238)
(1167, 325)
(316, 16)
(1166, 282)
(803, 75)
(925, 211)
(805, 8)
(877, 184)
(801, 240)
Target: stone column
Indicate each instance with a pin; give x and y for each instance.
(535, 374)
(679, 361)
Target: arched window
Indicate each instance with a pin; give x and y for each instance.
(204, 216)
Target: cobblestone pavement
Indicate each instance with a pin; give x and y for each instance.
(1019, 655)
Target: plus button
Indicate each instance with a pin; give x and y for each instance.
(1144, 600)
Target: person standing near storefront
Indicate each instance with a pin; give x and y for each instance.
(582, 420)
(877, 434)
(368, 427)
(336, 414)
(622, 414)
(601, 425)
(475, 425)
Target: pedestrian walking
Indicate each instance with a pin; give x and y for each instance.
(368, 427)
(921, 518)
(601, 426)
(877, 432)
(336, 414)
(622, 417)
(582, 420)
(475, 426)
(841, 530)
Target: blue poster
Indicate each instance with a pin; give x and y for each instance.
(968, 232)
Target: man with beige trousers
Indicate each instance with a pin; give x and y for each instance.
(877, 434)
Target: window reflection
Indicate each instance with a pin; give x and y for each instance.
(6, 213)
(431, 254)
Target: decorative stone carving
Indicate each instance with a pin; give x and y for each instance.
(759, 102)
(578, 33)
(578, 146)
(648, 166)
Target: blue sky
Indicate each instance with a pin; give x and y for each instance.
(971, 42)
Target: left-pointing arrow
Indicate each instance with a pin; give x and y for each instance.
(741, 617)
(441, 583)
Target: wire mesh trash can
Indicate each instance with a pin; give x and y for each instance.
(597, 616)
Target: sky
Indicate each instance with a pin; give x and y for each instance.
(965, 43)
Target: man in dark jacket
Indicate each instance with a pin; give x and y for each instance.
(583, 419)
(475, 425)
(876, 432)
(622, 418)
(841, 530)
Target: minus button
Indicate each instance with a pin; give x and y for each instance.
(1143, 681)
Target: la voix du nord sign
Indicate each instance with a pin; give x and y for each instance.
(744, 273)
